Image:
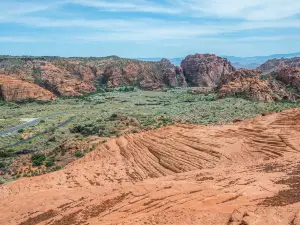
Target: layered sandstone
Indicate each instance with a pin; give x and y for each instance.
(76, 76)
(243, 173)
(12, 89)
(146, 75)
(290, 76)
(205, 70)
(248, 83)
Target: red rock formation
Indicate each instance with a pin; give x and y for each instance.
(276, 64)
(238, 74)
(205, 70)
(146, 75)
(289, 76)
(12, 89)
(248, 83)
(75, 76)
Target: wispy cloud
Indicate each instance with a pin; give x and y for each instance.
(242, 9)
(98, 21)
(133, 6)
(19, 39)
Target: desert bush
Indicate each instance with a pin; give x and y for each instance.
(79, 154)
(50, 162)
(38, 159)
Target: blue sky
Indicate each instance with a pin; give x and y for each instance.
(144, 28)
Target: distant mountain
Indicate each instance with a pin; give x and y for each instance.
(256, 61)
(238, 62)
(175, 61)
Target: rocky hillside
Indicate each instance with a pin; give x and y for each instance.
(205, 69)
(249, 84)
(12, 89)
(275, 64)
(75, 76)
(290, 76)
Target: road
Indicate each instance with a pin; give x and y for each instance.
(37, 135)
(27, 124)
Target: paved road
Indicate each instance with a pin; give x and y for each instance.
(24, 125)
(37, 135)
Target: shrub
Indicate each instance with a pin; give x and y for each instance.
(79, 154)
(49, 163)
(58, 168)
(51, 130)
(5, 154)
(89, 129)
(52, 139)
(20, 131)
(2, 181)
(38, 159)
(2, 165)
(113, 116)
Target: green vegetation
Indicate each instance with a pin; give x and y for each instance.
(38, 159)
(114, 113)
(79, 154)
(50, 162)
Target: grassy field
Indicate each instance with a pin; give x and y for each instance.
(115, 113)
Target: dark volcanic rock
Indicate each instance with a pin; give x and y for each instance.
(205, 70)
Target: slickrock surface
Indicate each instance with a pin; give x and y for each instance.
(244, 173)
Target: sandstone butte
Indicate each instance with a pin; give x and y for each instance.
(242, 173)
(18, 90)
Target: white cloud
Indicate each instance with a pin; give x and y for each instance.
(242, 9)
(133, 6)
(254, 14)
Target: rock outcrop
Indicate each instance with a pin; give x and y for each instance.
(205, 70)
(290, 76)
(276, 64)
(76, 76)
(12, 89)
(146, 75)
(248, 83)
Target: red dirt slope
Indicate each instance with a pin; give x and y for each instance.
(245, 173)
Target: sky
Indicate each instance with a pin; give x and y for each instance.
(149, 28)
